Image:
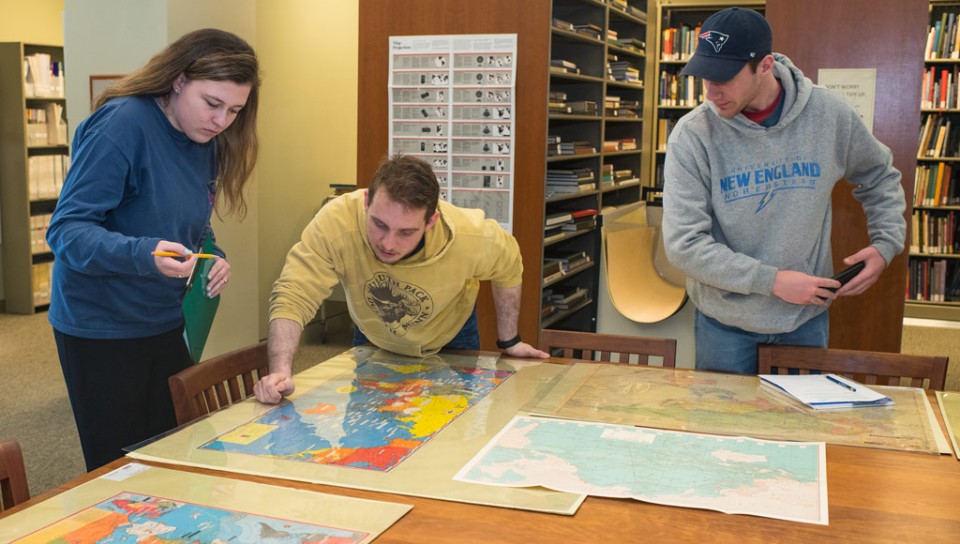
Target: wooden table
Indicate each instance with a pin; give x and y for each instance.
(874, 496)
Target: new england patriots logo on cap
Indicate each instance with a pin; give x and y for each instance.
(714, 38)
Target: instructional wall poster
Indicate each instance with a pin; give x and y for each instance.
(452, 104)
(857, 85)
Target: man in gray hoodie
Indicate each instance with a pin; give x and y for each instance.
(748, 180)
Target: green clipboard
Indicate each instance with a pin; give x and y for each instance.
(199, 310)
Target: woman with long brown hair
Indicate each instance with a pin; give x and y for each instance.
(166, 146)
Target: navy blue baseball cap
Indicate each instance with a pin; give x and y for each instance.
(728, 40)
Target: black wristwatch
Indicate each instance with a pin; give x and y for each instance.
(507, 344)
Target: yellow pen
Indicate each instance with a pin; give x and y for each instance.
(175, 254)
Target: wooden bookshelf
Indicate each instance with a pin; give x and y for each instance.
(675, 95)
(32, 165)
(539, 41)
(933, 268)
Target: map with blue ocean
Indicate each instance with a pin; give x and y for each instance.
(783, 480)
(371, 419)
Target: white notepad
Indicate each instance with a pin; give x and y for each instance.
(825, 391)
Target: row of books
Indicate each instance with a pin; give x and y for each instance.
(678, 90)
(42, 280)
(39, 224)
(939, 88)
(936, 184)
(556, 147)
(943, 40)
(565, 297)
(587, 29)
(678, 43)
(624, 71)
(630, 9)
(935, 232)
(43, 76)
(939, 137)
(615, 106)
(45, 175)
(664, 128)
(563, 263)
(570, 180)
(635, 45)
(609, 176)
(622, 144)
(563, 66)
(45, 126)
(596, 32)
(934, 280)
(579, 221)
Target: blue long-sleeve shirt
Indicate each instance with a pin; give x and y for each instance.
(134, 180)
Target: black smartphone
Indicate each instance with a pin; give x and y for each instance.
(846, 275)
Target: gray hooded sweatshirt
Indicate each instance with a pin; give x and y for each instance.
(742, 201)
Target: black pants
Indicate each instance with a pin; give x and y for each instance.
(118, 389)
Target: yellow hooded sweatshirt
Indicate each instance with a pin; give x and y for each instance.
(413, 307)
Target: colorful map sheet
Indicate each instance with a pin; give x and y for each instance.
(950, 410)
(736, 475)
(429, 416)
(373, 418)
(734, 405)
(141, 504)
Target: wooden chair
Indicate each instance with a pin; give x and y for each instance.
(591, 346)
(13, 475)
(217, 382)
(868, 367)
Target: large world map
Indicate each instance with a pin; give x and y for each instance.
(371, 419)
(783, 480)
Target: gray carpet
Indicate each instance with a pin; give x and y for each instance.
(34, 407)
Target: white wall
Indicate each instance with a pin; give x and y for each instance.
(307, 119)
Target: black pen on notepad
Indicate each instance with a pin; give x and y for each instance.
(841, 384)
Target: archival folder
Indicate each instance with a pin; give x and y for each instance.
(198, 309)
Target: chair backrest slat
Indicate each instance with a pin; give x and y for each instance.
(214, 383)
(13, 475)
(867, 367)
(596, 346)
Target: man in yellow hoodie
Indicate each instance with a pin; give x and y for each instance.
(410, 265)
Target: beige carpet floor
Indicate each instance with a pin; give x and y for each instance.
(35, 409)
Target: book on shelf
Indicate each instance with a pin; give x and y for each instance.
(569, 260)
(624, 70)
(633, 44)
(562, 25)
(628, 143)
(588, 29)
(553, 189)
(551, 269)
(565, 297)
(611, 145)
(637, 12)
(557, 218)
(577, 225)
(825, 391)
(553, 236)
(579, 147)
(569, 175)
(943, 40)
(583, 107)
(623, 175)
